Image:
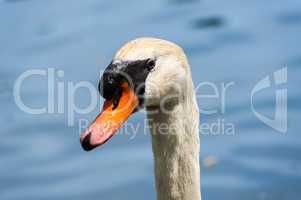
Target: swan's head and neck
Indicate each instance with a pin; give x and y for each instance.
(154, 74)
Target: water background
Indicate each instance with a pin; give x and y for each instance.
(226, 41)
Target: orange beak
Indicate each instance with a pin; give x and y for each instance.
(110, 119)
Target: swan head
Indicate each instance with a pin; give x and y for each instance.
(145, 72)
(166, 69)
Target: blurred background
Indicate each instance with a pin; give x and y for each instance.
(226, 41)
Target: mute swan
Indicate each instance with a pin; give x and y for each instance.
(155, 74)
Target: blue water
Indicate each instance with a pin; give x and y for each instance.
(230, 41)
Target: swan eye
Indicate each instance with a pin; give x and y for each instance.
(150, 64)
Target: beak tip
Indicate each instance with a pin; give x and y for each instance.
(86, 143)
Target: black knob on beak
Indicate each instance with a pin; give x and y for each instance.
(107, 85)
(110, 81)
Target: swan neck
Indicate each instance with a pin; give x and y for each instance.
(175, 143)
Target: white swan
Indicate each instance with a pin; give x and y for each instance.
(172, 111)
